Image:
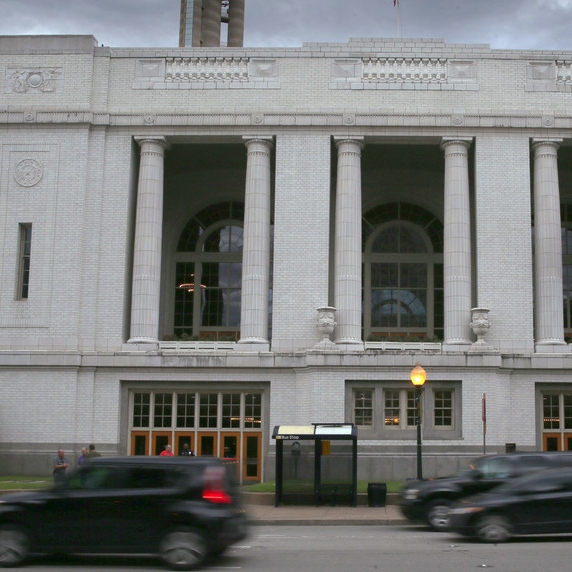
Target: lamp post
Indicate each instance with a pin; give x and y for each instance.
(418, 377)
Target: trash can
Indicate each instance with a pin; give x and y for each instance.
(376, 494)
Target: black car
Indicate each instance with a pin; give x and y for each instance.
(539, 503)
(429, 501)
(182, 508)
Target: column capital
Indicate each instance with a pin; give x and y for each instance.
(465, 141)
(358, 140)
(546, 141)
(157, 140)
(266, 140)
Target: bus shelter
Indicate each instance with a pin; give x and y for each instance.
(317, 461)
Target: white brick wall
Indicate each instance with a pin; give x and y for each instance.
(63, 356)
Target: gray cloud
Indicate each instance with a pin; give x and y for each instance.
(506, 24)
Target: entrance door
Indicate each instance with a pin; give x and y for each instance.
(551, 442)
(207, 445)
(159, 440)
(230, 449)
(140, 443)
(251, 468)
(183, 438)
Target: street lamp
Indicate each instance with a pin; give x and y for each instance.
(418, 377)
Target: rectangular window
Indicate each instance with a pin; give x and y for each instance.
(141, 409)
(551, 411)
(443, 412)
(392, 411)
(363, 408)
(163, 410)
(24, 261)
(231, 410)
(185, 409)
(208, 410)
(252, 410)
(568, 412)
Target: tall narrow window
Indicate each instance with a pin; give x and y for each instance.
(402, 272)
(363, 408)
(24, 262)
(443, 408)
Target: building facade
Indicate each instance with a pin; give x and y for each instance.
(200, 244)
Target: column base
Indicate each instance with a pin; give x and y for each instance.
(552, 347)
(252, 345)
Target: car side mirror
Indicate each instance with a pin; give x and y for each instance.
(477, 474)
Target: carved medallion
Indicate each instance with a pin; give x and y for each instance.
(28, 173)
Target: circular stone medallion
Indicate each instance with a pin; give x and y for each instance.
(28, 173)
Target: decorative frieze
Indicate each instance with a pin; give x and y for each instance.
(33, 80)
(206, 69)
(195, 72)
(400, 70)
(393, 72)
(549, 76)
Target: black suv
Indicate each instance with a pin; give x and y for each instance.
(183, 508)
(429, 501)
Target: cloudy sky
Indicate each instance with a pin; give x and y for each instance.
(510, 24)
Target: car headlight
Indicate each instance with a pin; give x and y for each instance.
(411, 494)
(466, 509)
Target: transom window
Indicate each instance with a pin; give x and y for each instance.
(403, 272)
(197, 410)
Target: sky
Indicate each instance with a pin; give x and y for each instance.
(502, 24)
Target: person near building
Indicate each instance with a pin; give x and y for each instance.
(186, 451)
(166, 452)
(60, 466)
(81, 458)
(92, 452)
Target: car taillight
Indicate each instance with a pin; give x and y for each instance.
(214, 486)
(216, 496)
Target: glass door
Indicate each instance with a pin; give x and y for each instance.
(251, 459)
(207, 444)
(140, 443)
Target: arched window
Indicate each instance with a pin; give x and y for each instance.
(403, 272)
(209, 274)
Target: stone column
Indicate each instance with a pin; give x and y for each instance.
(147, 250)
(235, 24)
(549, 319)
(256, 243)
(348, 242)
(457, 244)
(211, 23)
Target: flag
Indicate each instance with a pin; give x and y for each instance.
(395, 2)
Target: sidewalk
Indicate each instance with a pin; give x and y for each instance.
(262, 514)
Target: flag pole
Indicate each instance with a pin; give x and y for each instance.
(398, 4)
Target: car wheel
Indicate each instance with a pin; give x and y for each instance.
(14, 546)
(438, 515)
(493, 529)
(184, 549)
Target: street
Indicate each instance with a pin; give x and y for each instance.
(354, 549)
